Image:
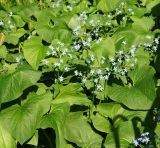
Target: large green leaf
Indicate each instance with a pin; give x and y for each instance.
(122, 137)
(118, 114)
(12, 85)
(6, 140)
(13, 37)
(78, 131)
(34, 51)
(107, 5)
(139, 96)
(132, 97)
(56, 120)
(101, 123)
(21, 121)
(72, 94)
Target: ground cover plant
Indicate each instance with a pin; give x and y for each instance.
(79, 73)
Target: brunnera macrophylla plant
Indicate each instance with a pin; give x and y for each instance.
(79, 73)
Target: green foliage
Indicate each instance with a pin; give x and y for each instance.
(79, 73)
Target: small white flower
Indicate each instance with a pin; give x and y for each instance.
(136, 143)
(120, 52)
(45, 62)
(80, 74)
(11, 26)
(1, 23)
(48, 53)
(122, 4)
(95, 80)
(124, 42)
(107, 23)
(56, 64)
(51, 47)
(107, 69)
(99, 71)
(10, 14)
(100, 88)
(129, 10)
(84, 80)
(76, 72)
(60, 79)
(148, 37)
(111, 59)
(61, 60)
(155, 48)
(53, 53)
(109, 15)
(70, 8)
(78, 46)
(66, 69)
(156, 40)
(106, 77)
(18, 59)
(92, 71)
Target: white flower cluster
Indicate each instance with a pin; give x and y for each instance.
(143, 139)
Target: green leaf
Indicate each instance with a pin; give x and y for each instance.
(143, 24)
(101, 123)
(21, 121)
(6, 140)
(71, 94)
(107, 5)
(56, 120)
(34, 140)
(122, 136)
(131, 97)
(13, 37)
(143, 79)
(12, 85)
(34, 51)
(18, 21)
(78, 131)
(106, 49)
(3, 51)
(118, 114)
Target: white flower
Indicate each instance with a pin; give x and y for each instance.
(56, 64)
(18, 59)
(107, 23)
(136, 143)
(66, 68)
(100, 88)
(148, 37)
(76, 72)
(10, 14)
(51, 47)
(45, 62)
(60, 79)
(155, 48)
(61, 60)
(111, 59)
(1, 23)
(78, 46)
(53, 53)
(156, 40)
(99, 71)
(106, 77)
(124, 42)
(11, 26)
(95, 80)
(109, 15)
(92, 71)
(120, 52)
(84, 80)
(70, 8)
(80, 74)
